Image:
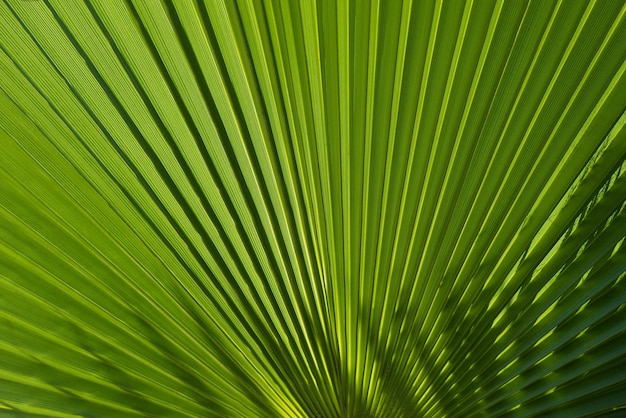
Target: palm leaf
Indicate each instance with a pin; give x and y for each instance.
(316, 208)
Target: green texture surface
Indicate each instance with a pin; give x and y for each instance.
(301, 208)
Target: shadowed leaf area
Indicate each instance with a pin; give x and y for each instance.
(312, 208)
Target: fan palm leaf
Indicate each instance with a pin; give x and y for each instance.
(312, 208)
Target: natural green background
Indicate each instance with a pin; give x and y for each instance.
(300, 208)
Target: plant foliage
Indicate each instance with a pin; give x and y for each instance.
(303, 208)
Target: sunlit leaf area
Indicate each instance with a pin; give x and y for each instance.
(312, 208)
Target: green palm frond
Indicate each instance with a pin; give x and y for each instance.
(315, 208)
